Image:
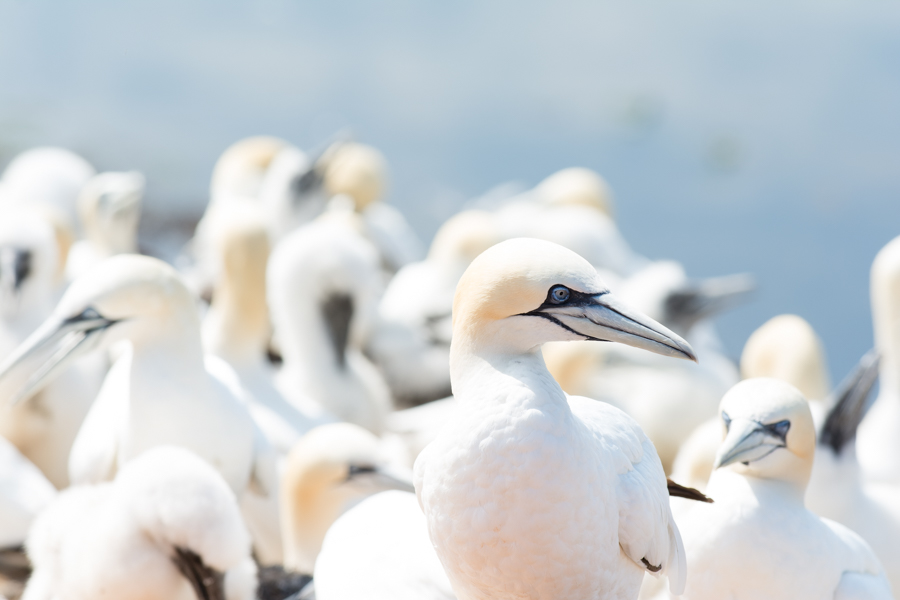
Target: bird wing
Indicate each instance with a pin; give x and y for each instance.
(647, 531)
(94, 454)
(863, 586)
(864, 576)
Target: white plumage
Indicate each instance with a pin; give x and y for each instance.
(120, 540)
(530, 493)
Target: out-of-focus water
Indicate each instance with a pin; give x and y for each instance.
(739, 136)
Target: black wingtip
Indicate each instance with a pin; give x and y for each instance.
(208, 583)
(851, 404)
(680, 491)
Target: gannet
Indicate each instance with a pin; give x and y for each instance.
(323, 287)
(167, 527)
(360, 172)
(240, 170)
(44, 427)
(159, 391)
(785, 347)
(109, 208)
(878, 443)
(411, 341)
(379, 550)
(531, 493)
(236, 327)
(758, 540)
(330, 470)
(668, 400)
(836, 489)
(46, 176)
(292, 191)
(577, 186)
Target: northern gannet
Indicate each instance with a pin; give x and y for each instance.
(379, 550)
(411, 341)
(46, 176)
(109, 209)
(758, 540)
(836, 488)
(785, 347)
(292, 192)
(167, 527)
(323, 289)
(360, 172)
(160, 391)
(577, 186)
(44, 426)
(331, 469)
(878, 443)
(240, 170)
(236, 327)
(531, 493)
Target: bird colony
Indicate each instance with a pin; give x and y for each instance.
(308, 404)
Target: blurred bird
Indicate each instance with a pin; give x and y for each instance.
(24, 493)
(168, 528)
(360, 173)
(159, 391)
(836, 489)
(878, 443)
(109, 208)
(241, 169)
(236, 327)
(758, 540)
(785, 347)
(46, 177)
(380, 550)
(323, 290)
(330, 470)
(531, 493)
(44, 426)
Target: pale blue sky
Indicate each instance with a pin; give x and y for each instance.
(754, 136)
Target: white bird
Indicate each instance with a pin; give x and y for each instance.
(836, 488)
(323, 290)
(160, 391)
(49, 177)
(236, 327)
(785, 347)
(360, 173)
(240, 170)
(379, 550)
(330, 470)
(878, 443)
(168, 527)
(109, 209)
(531, 493)
(758, 540)
(43, 427)
(411, 342)
(24, 493)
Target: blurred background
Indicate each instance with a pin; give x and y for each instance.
(737, 136)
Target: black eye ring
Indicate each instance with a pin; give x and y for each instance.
(559, 294)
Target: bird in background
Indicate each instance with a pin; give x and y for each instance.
(758, 540)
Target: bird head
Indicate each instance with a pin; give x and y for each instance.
(768, 432)
(109, 207)
(577, 186)
(522, 293)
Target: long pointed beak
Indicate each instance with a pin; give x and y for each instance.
(46, 352)
(605, 318)
(708, 297)
(746, 442)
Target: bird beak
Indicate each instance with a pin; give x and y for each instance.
(746, 442)
(381, 479)
(707, 298)
(49, 350)
(602, 317)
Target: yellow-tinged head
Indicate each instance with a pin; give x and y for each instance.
(464, 236)
(578, 186)
(359, 171)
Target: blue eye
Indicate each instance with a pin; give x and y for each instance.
(559, 294)
(780, 428)
(727, 420)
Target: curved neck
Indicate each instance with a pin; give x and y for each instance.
(237, 325)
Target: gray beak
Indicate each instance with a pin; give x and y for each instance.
(47, 351)
(749, 440)
(706, 298)
(602, 317)
(381, 478)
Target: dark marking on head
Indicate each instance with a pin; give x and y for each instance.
(357, 470)
(337, 312)
(16, 265)
(305, 184)
(208, 583)
(779, 429)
